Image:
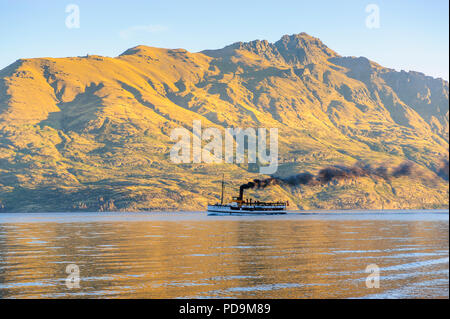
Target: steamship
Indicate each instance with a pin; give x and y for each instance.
(239, 206)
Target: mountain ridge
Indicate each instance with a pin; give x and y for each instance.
(94, 132)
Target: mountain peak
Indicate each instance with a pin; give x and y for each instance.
(140, 50)
(295, 49)
(297, 35)
(303, 49)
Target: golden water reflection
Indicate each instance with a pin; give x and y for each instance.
(243, 258)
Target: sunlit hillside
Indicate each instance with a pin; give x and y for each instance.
(93, 133)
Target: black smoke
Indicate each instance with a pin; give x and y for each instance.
(405, 169)
(443, 170)
(338, 172)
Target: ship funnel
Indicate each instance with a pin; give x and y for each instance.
(245, 186)
(241, 192)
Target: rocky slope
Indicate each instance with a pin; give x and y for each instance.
(93, 133)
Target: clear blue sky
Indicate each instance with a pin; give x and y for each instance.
(413, 34)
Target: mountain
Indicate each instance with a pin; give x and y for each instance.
(93, 133)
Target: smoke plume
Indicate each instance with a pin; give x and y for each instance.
(337, 172)
(443, 170)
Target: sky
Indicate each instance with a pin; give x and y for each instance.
(399, 34)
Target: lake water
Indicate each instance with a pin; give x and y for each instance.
(191, 255)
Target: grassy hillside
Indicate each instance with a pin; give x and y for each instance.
(93, 133)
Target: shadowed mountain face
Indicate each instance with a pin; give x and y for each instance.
(93, 133)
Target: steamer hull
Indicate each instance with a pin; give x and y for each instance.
(219, 209)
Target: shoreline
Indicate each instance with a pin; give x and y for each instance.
(296, 211)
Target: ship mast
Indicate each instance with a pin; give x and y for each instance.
(221, 197)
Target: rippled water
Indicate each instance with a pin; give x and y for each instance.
(160, 255)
